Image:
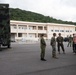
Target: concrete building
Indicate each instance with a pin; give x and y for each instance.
(32, 30)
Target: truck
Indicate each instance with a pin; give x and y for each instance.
(4, 26)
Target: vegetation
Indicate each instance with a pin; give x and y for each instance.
(23, 15)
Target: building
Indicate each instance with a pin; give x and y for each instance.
(32, 30)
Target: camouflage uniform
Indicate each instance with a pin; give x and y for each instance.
(74, 40)
(43, 46)
(70, 41)
(73, 44)
(53, 44)
(60, 43)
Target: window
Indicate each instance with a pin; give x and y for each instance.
(45, 28)
(56, 30)
(19, 34)
(34, 27)
(52, 30)
(40, 28)
(19, 27)
(15, 27)
(22, 27)
(61, 30)
(67, 30)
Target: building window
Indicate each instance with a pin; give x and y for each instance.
(56, 30)
(67, 30)
(19, 34)
(22, 27)
(19, 27)
(45, 28)
(40, 28)
(52, 30)
(61, 30)
(34, 27)
(15, 27)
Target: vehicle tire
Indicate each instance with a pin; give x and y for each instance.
(8, 46)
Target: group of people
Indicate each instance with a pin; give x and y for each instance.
(53, 41)
(72, 42)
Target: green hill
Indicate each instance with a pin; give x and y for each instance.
(23, 15)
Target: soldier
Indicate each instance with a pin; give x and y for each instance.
(60, 43)
(69, 41)
(73, 44)
(43, 46)
(53, 44)
(74, 40)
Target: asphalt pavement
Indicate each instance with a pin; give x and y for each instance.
(24, 59)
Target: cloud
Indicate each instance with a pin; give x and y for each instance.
(59, 9)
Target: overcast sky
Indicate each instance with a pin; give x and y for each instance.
(59, 9)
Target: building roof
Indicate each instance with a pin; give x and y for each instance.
(39, 23)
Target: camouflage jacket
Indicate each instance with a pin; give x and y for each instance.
(70, 39)
(59, 39)
(42, 42)
(53, 41)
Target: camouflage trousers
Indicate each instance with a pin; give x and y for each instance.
(62, 46)
(69, 44)
(43, 52)
(53, 51)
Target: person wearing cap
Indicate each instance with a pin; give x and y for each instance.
(74, 40)
(42, 46)
(60, 43)
(53, 44)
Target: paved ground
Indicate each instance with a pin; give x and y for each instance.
(24, 59)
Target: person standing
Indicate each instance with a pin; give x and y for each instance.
(60, 43)
(69, 41)
(42, 46)
(74, 40)
(53, 44)
(73, 44)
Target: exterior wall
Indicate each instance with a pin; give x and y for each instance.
(65, 30)
(32, 30)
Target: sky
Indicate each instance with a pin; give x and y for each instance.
(60, 9)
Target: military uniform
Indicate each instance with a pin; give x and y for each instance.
(53, 44)
(60, 43)
(43, 46)
(73, 43)
(74, 40)
(70, 41)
